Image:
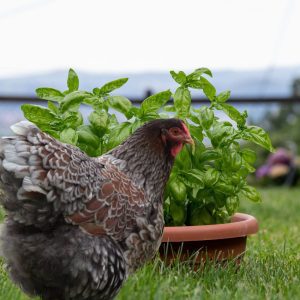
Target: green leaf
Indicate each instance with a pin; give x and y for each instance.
(113, 121)
(99, 120)
(87, 137)
(153, 103)
(193, 178)
(111, 86)
(233, 113)
(93, 101)
(96, 91)
(201, 216)
(209, 155)
(136, 111)
(211, 176)
(182, 102)
(53, 107)
(135, 125)
(177, 190)
(248, 155)
(69, 136)
(196, 75)
(222, 134)
(195, 84)
(208, 89)
(183, 160)
(232, 204)
(39, 115)
(72, 119)
(73, 100)
(232, 160)
(169, 108)
(73, 81)
(118, 134)
(179, 77)
(194, 116)
(250, 193)
(196, 131)
(206, 71)
(224, 187)
(121, 104)
(206, 117)
(258, 136)
(178, 213)
(223, 97)
(49, 94)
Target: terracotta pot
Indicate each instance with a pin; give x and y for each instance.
(219, 242)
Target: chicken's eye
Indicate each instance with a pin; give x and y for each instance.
(175, 131)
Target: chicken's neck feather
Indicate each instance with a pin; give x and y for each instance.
(148, 162)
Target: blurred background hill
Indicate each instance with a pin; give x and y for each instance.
(275, 82)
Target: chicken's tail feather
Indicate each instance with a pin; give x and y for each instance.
(21, 175)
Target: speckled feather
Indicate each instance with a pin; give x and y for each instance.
(77, 226)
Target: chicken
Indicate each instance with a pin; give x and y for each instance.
(76, 226)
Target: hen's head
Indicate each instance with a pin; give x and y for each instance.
(167, 134)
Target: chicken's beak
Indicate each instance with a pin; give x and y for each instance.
(188, 140)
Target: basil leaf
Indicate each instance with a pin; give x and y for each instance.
(135, 125)
(209, 155)
(232, 204)
(99, 121)
(208, 89)
(73, 81)
(118, 134)
(195, 84)
(201, 216)
(250, 193)
(232, 160)
(248, 155)
(258, 136)
(178, 212)
(224, 187)
(211, 176)
(110, 86)
(182, 101)
(121, 104)
(206, 117)
(153, 103)
(221, 134)
(179, 77)
(169, 108)
(73, 100)
(73, 119)
(183, 160)
(39, 115)
(196, 132)
(69, 136)
(223, 97)
(87, 137)
(49, 94)
(201, 71)
(193, 178)
(233, 113)
(53, 107)
(196, 75)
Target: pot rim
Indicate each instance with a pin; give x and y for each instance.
(241, 225)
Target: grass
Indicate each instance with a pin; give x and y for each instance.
(270, 270)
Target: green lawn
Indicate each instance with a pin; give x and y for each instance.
(270, 270)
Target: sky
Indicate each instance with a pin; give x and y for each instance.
(143, 36)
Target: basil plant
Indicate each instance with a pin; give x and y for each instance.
(207, 182)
